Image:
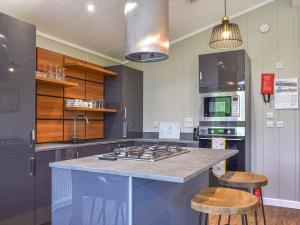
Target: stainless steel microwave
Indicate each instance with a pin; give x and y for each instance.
(222, 106)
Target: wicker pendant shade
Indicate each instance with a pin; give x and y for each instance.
(226, 35)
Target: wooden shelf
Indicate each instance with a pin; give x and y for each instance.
(91, 109)
(91, 68)
(55, 82)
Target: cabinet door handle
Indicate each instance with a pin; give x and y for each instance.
(32, 138)
(125, 113)
(31, 166)
(77, 154)
(228, 139)
(200, 79)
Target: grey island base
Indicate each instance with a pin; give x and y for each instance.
(89, 191)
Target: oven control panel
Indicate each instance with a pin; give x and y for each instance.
(235, 106)
(222, 131)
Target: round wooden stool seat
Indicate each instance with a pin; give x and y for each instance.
(224, 201)
(243, 179)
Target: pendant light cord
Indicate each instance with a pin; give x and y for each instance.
(225, 7)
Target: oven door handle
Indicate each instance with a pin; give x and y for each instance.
(228, 139)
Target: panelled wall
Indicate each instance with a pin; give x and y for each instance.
(171, 91)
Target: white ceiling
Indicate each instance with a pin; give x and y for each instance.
(102, 31)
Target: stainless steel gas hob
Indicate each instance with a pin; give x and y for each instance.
(145, 153)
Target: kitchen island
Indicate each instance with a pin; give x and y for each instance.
(126, 192)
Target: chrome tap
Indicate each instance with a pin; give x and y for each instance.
(74, 136)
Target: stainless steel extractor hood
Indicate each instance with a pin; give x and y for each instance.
(147, 30)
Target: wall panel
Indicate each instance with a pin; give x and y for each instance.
(271, 135)
(275, 151)
(287, 145)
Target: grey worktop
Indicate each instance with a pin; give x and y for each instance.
(56, 146)
(178, 169)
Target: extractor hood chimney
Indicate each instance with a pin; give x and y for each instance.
(147, 30)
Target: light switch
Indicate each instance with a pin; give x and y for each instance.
(270, 115)
(155, 124)
(270, 124)
(279, 124)
(279, 65)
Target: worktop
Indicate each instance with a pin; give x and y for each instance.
(178, 169)
(62, 145)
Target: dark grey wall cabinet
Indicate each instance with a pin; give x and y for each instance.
(124, 92)
(17, 119)
(222, 71)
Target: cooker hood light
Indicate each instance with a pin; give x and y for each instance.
(147, 30)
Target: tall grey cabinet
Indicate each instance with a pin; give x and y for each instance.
(125, 93)
(17, 121)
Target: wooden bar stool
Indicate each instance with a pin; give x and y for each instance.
(251, 181)
(224, 201)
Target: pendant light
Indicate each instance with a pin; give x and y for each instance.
(147, 30)
(226, 35)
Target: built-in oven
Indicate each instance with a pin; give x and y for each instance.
(235, 139)
(222, 106)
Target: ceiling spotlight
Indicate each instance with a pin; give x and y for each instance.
(91, 7)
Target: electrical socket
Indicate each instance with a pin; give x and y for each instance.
(270, 115)
(270, 124)
(279, 124)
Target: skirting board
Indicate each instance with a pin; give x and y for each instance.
(282, 203)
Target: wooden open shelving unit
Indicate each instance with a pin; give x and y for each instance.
(55, 82)
(84, 80)
(90, 109)
(90, 68)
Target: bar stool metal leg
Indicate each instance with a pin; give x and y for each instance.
(246, 219)
(200, 218)
(228, 221)
(262, 206)
(219, 221)
(256, 220)
(206, 219)
(242, 219)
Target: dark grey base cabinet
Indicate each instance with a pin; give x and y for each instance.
(43, 175)
(17, 189)
(43, 181)
(125, 93)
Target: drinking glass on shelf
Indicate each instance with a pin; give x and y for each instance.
(69, 103)
(93, 104)
(101, 104)
(51, 74)
(57, 76)
(63, 76)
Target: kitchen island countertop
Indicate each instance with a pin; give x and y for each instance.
(177, 169)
